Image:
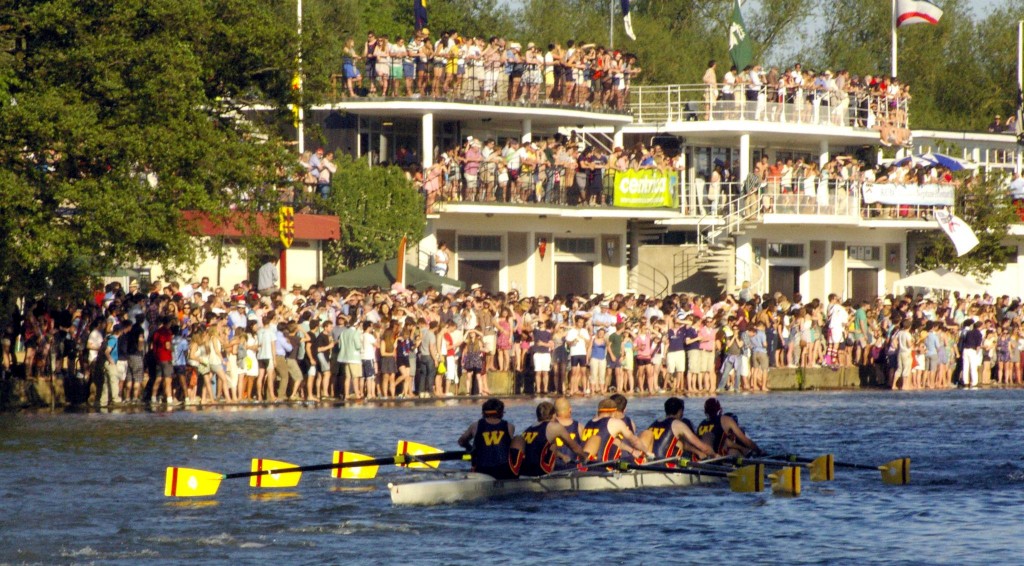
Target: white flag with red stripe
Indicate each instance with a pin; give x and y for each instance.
(916, 12)
(958, 231)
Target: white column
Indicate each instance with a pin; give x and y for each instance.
(617, 137)
(744, 157)
(527, 130)
(427, 147)
(823, 156)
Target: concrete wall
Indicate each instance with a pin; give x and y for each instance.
(521, 266)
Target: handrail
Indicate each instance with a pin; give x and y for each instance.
(804, 105)
(657, 281)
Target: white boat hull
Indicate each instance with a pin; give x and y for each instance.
(474, 487)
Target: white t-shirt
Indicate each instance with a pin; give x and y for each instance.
(577, 339)
(369, 347)
(838, 318)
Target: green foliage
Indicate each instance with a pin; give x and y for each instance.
(961, 71)
(985, 206)
(376, 207)
(104, 97)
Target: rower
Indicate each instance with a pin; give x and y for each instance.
(723, 433)
(495, 449)
(606, 435)
(620, 405)
(563, 416)
(673, 436)
(540, 455)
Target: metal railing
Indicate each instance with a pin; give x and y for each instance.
(552, 185)
(650, 280)
(696, 102)
(480, 83)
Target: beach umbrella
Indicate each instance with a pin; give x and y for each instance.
(943, 160)
(914, 161)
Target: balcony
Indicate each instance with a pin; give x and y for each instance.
(661, 104)
(700, 203)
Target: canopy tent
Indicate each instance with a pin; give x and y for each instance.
(384, 273)
(940, 279)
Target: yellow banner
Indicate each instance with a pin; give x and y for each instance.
(648, 188)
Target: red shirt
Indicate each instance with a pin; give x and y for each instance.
(162, 344)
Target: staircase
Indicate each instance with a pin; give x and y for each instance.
(716, 243)
(593, 137)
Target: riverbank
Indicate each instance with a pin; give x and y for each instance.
(40, 394)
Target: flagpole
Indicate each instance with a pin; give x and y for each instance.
(301, 128)
(894, 49)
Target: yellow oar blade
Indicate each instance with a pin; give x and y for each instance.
(407, 448)
(189, 482)
(747, 479)
(786, 481)
(896, 472)
(355, 472)
(823, 468)
(290, 479)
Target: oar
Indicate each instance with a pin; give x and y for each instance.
(189, 482)
(894, 472)
(583, 467)
(821, 468)
(746, 479)
(411, 455)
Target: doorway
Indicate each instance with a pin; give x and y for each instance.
(785, 279)
(480, 272)
(573, 277)
(863, 284)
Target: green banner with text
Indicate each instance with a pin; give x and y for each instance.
(648, 188)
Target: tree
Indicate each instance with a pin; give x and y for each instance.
(376, 207)
(985, 206)
(117, 116)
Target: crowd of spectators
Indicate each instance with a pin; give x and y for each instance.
(556, 170)
(456, 67)
(798, 95)
(999, 127)
(197, 344)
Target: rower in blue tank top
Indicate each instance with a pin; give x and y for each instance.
(540, 454)
(620, 404)
(673, 436)
(723, 434)
(494, 449)
(563, 416)
(606, 436)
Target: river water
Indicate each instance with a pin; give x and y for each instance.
(88, 488)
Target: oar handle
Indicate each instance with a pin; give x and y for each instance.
(803, 460)
(456, 455)
(688, 471)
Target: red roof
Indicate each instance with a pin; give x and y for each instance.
(307, 226)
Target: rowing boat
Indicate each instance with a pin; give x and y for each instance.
(474, 487)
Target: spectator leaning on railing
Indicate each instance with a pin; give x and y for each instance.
(495, 70)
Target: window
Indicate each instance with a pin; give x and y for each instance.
(575, 245)
(864, 253)
(787, 251)
(479, 243)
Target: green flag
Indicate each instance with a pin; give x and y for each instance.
(740, 49)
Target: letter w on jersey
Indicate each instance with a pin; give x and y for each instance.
(529, 437)
(493, 438)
